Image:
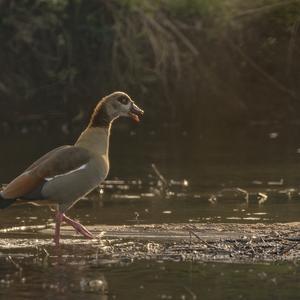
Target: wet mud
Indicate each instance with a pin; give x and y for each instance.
(166, 242)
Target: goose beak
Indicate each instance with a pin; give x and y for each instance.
(135, 112)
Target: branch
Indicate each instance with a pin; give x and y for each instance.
(261, 71)
(264, 8)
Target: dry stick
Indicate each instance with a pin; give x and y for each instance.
(206, 243)
(292, 239)
(292, 231)
(199, 238)
(159, 175)
(260, 70)
(288, 248)
(263, 240)
(243, 192)
(191, 232)
(18, 267)
(253, 251)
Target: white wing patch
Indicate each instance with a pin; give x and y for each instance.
(65, 174)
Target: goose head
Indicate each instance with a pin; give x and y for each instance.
(113, 106)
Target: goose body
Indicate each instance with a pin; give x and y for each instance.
(66, 189)
(67, 173)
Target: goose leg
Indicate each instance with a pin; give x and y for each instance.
(77, 226)
(59, 218)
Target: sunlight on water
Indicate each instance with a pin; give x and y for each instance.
(180, 226)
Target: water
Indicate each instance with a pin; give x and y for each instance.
(31, 267)
(79, 276)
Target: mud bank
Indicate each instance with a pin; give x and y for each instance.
(175, 242)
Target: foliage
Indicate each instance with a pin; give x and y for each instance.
(202, 61)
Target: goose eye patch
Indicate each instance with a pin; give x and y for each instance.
(123, 100)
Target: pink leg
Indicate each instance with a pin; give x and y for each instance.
(77, 226)
(59, 218)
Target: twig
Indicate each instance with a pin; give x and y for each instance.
(193, 295)
(288, 248)
(199, 238)
(159, 175)
(213, 199)
(244, 192)
(46, 252)
(292, 239)
(253, 251)
(263, 240)
(262, 198)
(15, 264)
(204, 242)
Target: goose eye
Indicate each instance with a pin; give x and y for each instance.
(123, 100)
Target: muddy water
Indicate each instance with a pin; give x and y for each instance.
(76, 274)
(231, 182)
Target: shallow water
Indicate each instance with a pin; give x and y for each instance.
(227, 182)
(75, 273)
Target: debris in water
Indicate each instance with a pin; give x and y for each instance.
(162, 182)
(257, 182)
(126, 197)
(251, 218)
(212, 199)
(153, 248)
(192, 294)
(137, 215)
(181, 183)
(147, 195)
(262, 198)
(280, 182)
(246, 194)
(273, 135)
(92, 285)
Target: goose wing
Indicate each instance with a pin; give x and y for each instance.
(59, 161)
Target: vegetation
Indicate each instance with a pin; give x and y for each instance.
(199, 63)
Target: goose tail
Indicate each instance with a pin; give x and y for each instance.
(4, 203)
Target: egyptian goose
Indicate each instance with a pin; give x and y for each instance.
(64, 175)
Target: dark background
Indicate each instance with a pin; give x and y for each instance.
(218, 80)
